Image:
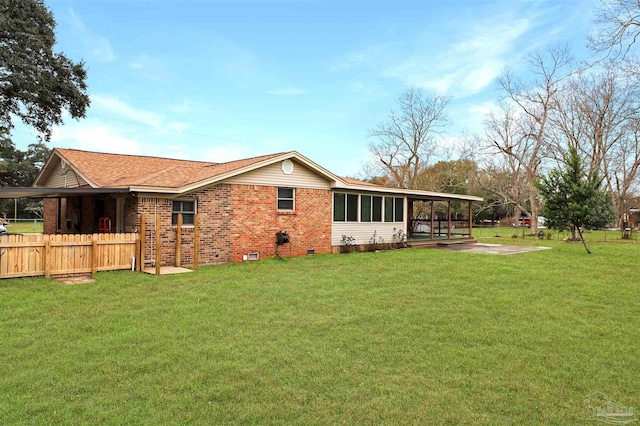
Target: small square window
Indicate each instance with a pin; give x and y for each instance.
(286, 198)
(185, 207)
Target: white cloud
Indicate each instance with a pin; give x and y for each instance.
(224, 153)
(98, 45)
(94, 136)
(289, 91)
(469, 65)
(118, 107)
(127, 113)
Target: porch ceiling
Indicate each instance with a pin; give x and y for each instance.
(30, 192)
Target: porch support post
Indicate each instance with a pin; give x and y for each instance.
(433, 209)
(196, 239)
(448, 219)
(157, 244)
(179, 241)
(470, 219)
(409, 216)
(143, 240)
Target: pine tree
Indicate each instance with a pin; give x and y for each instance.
(574, 200)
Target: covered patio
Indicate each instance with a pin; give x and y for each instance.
(436, 220)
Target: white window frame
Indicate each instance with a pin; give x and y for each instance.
(292, 199)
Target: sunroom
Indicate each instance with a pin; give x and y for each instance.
(380, 218)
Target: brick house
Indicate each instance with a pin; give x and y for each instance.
(240, 205)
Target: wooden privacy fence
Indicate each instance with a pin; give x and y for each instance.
(66, 254)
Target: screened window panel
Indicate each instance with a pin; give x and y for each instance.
(339, 203)
(352, 208)
(388, 209)
(376, 214)
(365, 208)
(399, 209)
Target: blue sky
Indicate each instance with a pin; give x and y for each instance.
(217, 81)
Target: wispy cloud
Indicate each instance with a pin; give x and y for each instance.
(94, 136)
(130, 114)
(469, 65)
(289, 91)
(98, 45)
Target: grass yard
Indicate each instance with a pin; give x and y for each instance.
(406, 336)
(25, 227)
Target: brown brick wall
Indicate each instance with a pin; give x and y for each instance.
(214, 215)
(256, 221)
(50, 215)
(233, 220)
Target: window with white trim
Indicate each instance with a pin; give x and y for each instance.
(393, 209)
(345, 207)
(185, 207)
(286, 199)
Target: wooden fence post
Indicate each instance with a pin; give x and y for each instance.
(94, 254)
(47, 259)
(157, 244)
(196, 238)
(179, 241)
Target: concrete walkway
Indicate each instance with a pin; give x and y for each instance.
(491, 248)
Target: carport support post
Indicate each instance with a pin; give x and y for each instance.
(449, 219)
(433, 210)
(179, 241)
(157, 244)
(470, 218)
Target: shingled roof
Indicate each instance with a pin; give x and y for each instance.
(120, 170)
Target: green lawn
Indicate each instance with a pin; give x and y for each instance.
(24, 227)
(405, 336)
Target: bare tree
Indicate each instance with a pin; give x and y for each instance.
(618, 28)
(599, 115)
(533, 102)
(503, 174)
(407, 141)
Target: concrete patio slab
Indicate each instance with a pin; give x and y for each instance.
(491, 248)
(167, 270)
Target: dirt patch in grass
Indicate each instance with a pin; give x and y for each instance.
(76, 280)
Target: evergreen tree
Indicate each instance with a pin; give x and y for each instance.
(574, 200)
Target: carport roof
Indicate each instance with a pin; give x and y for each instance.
(30, 192)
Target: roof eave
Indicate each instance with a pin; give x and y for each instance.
(411, 192)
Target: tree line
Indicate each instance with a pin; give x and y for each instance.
(560, 106)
